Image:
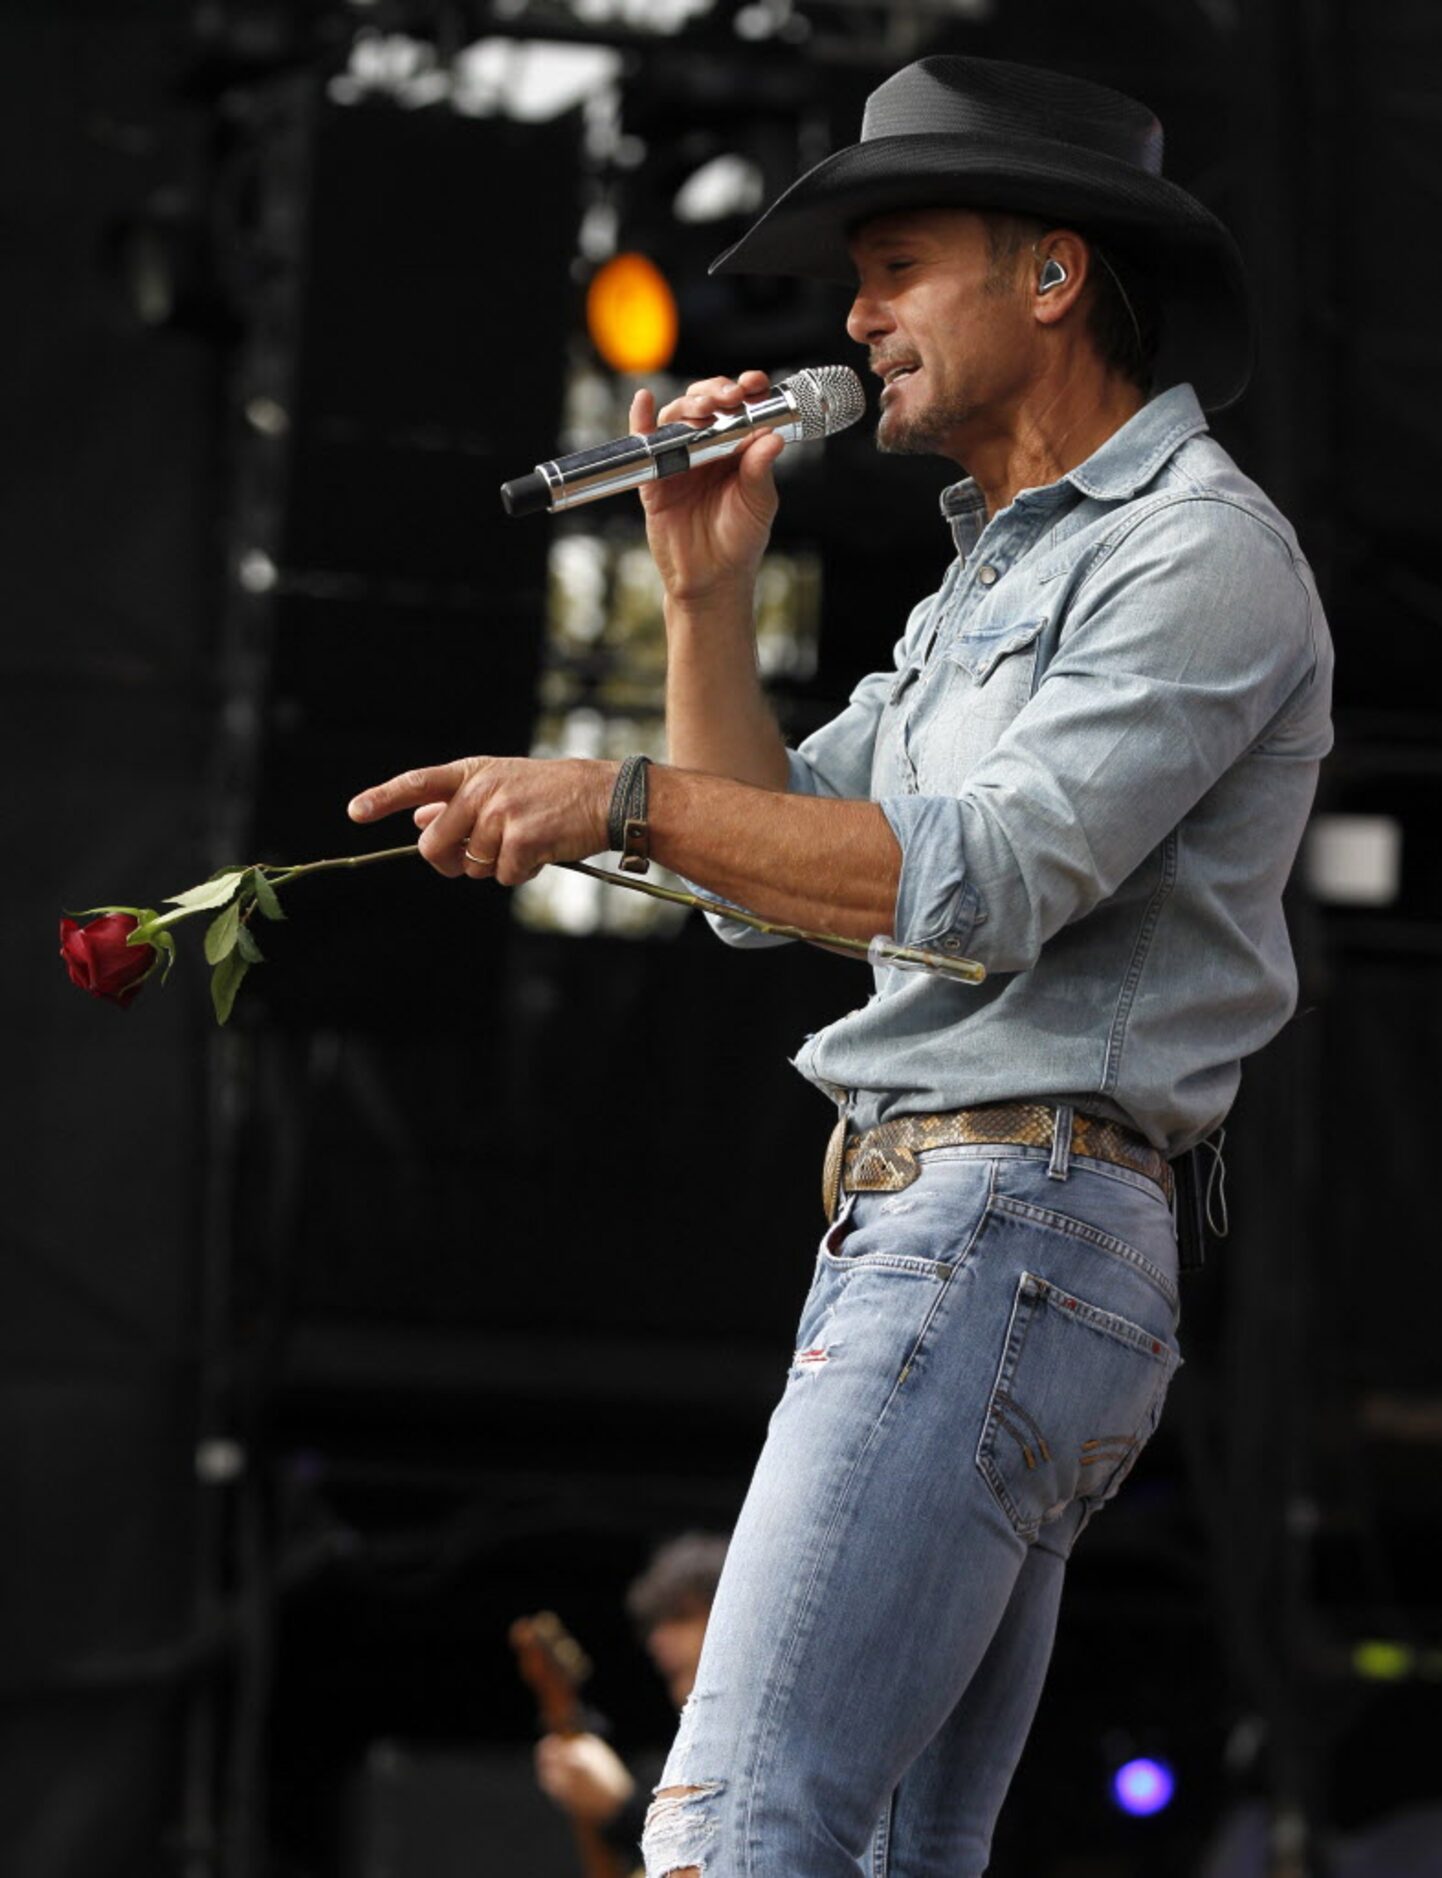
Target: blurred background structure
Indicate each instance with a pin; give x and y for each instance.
(335, 1341)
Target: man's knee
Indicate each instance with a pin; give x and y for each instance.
(680, 1829)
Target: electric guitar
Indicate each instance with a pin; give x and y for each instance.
(554, 1667)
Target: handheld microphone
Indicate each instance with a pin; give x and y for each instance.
(815, 403)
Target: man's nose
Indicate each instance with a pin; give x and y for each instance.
(868, 320)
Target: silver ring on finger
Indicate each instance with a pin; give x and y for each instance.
(482, 860)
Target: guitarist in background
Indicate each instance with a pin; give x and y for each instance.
(669, 1604)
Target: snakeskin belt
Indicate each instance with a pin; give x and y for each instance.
(883, 1159)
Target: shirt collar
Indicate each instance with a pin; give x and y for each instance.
(963, 509)
(1125, 463)
(1131, 456)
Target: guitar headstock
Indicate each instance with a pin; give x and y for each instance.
(554, 1666)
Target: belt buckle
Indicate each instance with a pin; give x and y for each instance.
(882, 1159)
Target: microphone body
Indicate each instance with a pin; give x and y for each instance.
(815, 403)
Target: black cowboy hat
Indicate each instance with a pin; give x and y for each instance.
(986, 134)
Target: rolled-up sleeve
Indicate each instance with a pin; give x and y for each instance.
(1192, 634)
(938, 905)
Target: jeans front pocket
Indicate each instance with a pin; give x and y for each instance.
(1078, 1391)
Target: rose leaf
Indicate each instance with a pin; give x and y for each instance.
(210, 892)
(246, 946)
(266, 897)
(222, 934)
(225, 982)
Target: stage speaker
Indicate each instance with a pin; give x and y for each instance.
(411, 350)
(422, 1811)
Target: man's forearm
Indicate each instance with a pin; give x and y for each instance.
(717, 717)
(804, 860)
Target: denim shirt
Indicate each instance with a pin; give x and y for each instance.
(1097, 747)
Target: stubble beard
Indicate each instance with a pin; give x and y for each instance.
(923, 432)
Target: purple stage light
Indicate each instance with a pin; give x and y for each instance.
(1141, 1787)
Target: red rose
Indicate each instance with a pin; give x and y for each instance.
(100, 962)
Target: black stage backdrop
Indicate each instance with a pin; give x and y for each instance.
(109, 492)
(465, 1269)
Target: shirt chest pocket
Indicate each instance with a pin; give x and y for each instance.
(984, 682)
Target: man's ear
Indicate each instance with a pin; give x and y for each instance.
(1062, 261)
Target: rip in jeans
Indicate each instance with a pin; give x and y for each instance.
(680, 1830)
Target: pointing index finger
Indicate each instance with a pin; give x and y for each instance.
(408, 791)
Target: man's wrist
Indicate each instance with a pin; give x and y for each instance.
(606, 770)
(725, 603)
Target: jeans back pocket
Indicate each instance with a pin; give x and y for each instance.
(1078, 1392)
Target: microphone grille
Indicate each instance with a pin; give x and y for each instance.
(828, 398)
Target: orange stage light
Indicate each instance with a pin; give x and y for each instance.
(631, 314)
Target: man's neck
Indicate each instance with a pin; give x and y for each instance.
(1049, 431)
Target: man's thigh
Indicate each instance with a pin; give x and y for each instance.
(885, 1526)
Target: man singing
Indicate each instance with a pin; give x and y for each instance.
(1088, 765)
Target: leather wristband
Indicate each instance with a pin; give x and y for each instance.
(627, 828)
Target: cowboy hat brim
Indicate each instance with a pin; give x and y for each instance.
(1191, 259)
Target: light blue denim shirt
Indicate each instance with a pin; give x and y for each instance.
(1097, 747)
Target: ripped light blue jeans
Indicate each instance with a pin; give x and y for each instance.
(980, 1360)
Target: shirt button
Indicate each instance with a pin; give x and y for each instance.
(988, 576)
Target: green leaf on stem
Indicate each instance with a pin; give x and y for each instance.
(246, 946)
(222, 933)
(210, 892)
(265, 897)
(225, 981)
